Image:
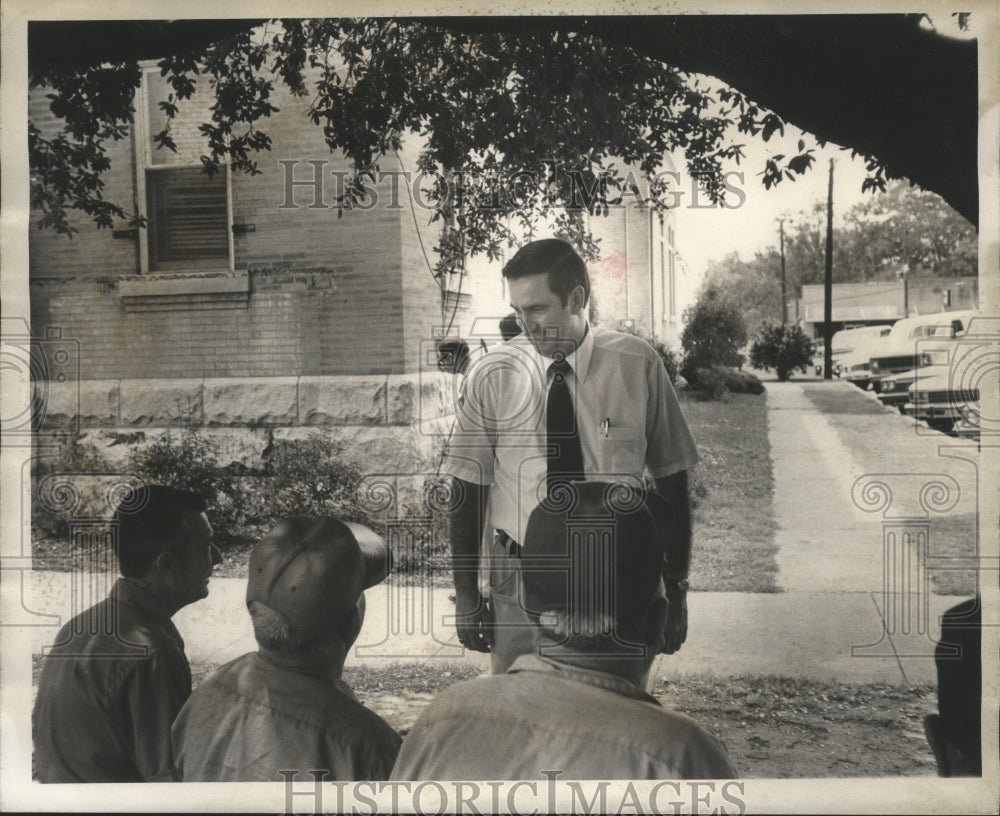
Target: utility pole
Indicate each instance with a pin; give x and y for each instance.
(784, 297)
(828, 286)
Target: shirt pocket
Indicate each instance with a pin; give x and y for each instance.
(621, 450)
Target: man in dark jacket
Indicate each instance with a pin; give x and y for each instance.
(117, 675)
(285, 706)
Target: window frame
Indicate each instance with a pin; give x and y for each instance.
(143, 151)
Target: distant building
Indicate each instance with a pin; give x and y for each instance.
(874, 303)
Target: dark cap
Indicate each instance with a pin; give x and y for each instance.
(595, 549)
(313, 569)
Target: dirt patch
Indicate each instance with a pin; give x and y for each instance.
(778, 728)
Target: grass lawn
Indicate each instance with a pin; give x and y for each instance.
(734, 524)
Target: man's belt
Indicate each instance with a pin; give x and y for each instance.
(509, 545)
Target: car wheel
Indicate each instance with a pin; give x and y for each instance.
(942, 425)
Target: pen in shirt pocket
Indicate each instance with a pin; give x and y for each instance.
(605, 426)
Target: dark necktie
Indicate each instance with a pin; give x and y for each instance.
(565, 453)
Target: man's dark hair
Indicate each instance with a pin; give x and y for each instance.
(148, 522)
(565, 267)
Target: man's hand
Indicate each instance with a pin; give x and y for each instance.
(472, 620)
(676, 627)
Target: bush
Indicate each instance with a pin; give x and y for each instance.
(714, 332)
(307, 476)
(668, 356)
(711, 382)
(189, 461)
(743, 382)
(782, 348)
(715, 382)
(74, 456)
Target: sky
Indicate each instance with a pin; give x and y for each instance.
(705, 235)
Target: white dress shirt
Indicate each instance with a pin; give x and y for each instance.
(627, 413)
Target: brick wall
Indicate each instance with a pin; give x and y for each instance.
(620, 279)
(327, 294)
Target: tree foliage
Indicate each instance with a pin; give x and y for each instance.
(783, 348)
(714, 332)
(904, 227)
(541, 121)
(753, 286)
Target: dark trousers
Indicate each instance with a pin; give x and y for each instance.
(512, 633)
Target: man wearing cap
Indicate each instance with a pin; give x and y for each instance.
(557, 404)
(117, 675)
(285, 707)
(576, 705)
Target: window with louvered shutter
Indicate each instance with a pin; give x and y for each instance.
(188, 219)
(189, 214)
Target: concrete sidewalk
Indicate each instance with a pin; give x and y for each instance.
(840, 617)
(798, 634)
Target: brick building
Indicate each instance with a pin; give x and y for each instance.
(251, 308)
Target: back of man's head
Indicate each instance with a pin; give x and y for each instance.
(306, 578)
(565, 268)
(593, 555)
(148, 521)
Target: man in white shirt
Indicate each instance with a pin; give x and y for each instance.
(559, 403)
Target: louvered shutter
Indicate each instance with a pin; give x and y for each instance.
(188, 219)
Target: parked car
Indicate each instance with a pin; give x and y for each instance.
(854, 366)
(894, 389)
(946, 397)
(898, 352)
(967, 429)
(938, 401)
(847, 340)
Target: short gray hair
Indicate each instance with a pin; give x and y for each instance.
(273, 632)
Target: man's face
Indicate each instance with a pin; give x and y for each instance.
(550, 326)
(196, 557)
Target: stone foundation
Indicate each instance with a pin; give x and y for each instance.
(388, 426)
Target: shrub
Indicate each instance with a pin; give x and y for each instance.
(713, 383)
(189, 461)
(74, 456)
(308, 476)
(782, 348)
(743, 382)
(714, 332)
(304, 476)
